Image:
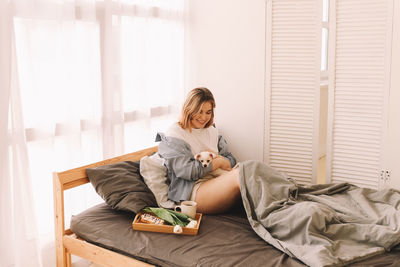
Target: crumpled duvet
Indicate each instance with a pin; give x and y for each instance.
(321, 225)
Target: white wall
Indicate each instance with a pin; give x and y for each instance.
(225, 52)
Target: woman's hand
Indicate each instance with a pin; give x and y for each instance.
(221, 162)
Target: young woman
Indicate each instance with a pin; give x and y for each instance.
(195, 133)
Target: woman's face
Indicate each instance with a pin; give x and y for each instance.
(201, 118)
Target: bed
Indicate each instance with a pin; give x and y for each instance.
(104, 235)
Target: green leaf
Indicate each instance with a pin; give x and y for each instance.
(181, 216)
(161, 213)
(177, 220)
(170, 216)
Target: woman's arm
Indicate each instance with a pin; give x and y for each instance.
(223, 151)
(221, 162)
(186, 167)
(179, 159)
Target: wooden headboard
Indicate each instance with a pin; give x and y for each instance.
(66, 242)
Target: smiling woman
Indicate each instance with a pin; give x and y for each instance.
(201, 118)
(198, 109)
(195, 133)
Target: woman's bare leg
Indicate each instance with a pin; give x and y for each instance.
(219, 194)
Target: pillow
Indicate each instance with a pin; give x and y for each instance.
(121, 186)
(155, 176)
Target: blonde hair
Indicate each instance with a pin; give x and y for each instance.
(193, 103)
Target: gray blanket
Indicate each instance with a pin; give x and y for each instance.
(321, 225)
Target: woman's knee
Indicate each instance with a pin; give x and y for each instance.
(235, 177)
(219, 194)
(235, 185)
(233, 182)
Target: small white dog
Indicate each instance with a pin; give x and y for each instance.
(205, 158)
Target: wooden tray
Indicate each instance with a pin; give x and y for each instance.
(169, 229)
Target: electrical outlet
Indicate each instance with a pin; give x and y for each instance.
(387, 175)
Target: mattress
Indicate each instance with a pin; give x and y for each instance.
(222, 240)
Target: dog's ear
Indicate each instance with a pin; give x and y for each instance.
(212, 155)
(198, 156)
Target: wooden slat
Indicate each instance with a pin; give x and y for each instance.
(63, 259)
(99, 255)
(68, 177)
(75, 183)
(65, 242)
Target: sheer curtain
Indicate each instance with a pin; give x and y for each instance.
(80, 81)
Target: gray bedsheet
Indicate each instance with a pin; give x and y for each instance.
(223, 240)
(321, 225)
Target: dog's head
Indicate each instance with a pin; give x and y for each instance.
(205, 158)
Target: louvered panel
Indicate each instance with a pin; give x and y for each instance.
(355, 180)
(292, 87)
(343, 162)
(358, 90)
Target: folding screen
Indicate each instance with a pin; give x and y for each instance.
(293, 45)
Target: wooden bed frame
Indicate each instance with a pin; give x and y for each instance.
(67, 242)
